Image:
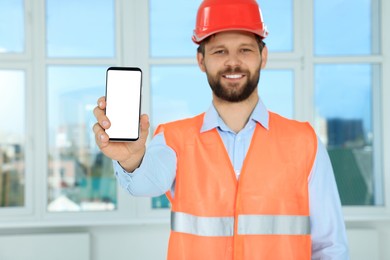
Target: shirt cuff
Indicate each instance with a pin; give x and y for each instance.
(122, 175)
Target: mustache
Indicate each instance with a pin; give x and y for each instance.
(234, 70)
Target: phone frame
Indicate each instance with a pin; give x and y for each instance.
(125, 139)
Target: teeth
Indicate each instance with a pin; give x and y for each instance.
(233, 76)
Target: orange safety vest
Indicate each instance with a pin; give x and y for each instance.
(263, 215)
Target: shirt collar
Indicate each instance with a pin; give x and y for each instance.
(213, 120)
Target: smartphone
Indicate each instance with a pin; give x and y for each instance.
(123, 102)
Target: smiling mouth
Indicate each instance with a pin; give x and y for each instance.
(233, 76)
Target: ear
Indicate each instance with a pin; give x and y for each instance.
(200, 58)
(264, 57)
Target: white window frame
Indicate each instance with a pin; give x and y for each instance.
(132, 49)
(21, 62)
(352, 213)
(35, 63)
(385, 112)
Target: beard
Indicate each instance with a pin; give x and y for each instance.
(233, 92)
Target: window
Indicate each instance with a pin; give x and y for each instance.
(346, 95)
(13, 119)
(346, 27)
(80, 178)
(173, 91)
(330, 72)
(53, 61)
(277, 91)
(344, 106)
(13, 37)
(79, 175)
(12, 136)
(74, 29)
(279, 19)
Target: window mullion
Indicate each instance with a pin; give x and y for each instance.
(385, 94)
(305, 91)
(39, 98)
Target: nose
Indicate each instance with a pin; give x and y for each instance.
(233, 60)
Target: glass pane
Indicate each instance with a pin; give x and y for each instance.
(343, 101)
(278, 16)
(80, 177)
(80, 28)
(174, 96)
(171, 25)
(276, 89)
(12, 138)
(346, 27)
(11, 37)
(161, 202)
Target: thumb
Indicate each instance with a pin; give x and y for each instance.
(144, 126)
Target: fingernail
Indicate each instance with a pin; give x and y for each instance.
(100, 103)
(105, 123)
(102, 137)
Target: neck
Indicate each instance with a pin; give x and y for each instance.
(236, 114)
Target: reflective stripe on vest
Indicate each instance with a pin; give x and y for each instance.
(247, 225)
(273, 225)
(202, 226)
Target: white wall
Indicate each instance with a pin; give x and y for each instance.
(135, 242)
(45, 246)
(150, 241)
(368, 240)
(139, 242)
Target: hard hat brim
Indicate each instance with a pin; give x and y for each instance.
(198, 38)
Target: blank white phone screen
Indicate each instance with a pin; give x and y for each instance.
(123, 97)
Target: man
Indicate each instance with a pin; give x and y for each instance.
(244, 183)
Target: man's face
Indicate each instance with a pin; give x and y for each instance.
(232, 62)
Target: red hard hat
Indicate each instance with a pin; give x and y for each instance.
(225, 15)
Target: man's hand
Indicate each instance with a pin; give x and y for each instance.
(128, 154)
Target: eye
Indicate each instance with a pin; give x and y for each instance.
(246, 50)
(219, 52)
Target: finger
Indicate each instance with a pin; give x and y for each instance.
(101, 102)
(144, 125)
(101, 118)
(101, 137)
(98, 112)
(144, 121)
(96, 128)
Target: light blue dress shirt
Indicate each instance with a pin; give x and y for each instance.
(156, 175)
